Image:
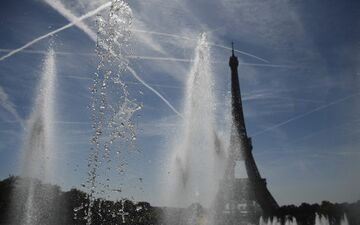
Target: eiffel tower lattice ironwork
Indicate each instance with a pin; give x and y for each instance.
(241, 200)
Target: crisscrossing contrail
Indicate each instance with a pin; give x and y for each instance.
(72, 23)
(305, 114)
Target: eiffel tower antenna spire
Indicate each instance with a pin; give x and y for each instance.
(232, 48)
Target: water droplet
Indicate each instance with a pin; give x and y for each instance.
(78, 208)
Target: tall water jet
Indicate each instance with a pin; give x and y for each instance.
(344, 220)
(32, 202)
(321, 220)
(277, 221)
(196, 163)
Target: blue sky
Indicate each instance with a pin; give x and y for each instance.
(301, 100)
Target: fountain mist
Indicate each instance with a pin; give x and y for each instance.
(196, 163)
(32, 201)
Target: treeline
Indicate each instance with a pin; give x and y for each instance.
(305, 213)
(71, 208)
(51, 206)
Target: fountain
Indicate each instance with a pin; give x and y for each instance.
(321, 220)
(112, 109)
(112, 112)
(31, 200)
(324, 220)
(277, 221)
(344, 220)
(197, 161)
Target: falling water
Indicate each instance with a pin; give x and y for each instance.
(195, 165)
(112, 109)
(32, 201)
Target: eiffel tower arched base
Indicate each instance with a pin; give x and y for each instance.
(236, 203)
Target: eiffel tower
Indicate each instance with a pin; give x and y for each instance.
(241, 200)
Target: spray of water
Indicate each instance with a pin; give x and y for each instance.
(324, 220)
(31, 199)
(344, 220)
(195, 164)
(112, 108)
(321, 220)
(277, 221)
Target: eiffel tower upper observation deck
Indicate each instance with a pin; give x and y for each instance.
(241, 199)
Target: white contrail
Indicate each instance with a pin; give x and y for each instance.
(154, 91)
(87, 15)
(192, 39)
(9, 106)
(305, 114)
(150, 88)
(141, 81)
(217, 62)
(78, 22)
(160, 58)
(58, 6)
(149, 41)
(44, 52)
(241, 52)
(157, 85)
(126, 82)
(71, 122)
(163, 34)
(154, 58)
(268, 65)
(73, 19)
